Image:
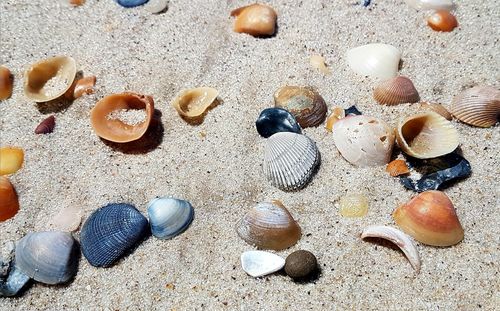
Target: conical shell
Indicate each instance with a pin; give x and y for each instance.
(169, 217)
(46, 126)
(9, 203)
(306, 105)
(431, 4)
(427, 135)
(290, 160)
(269, 226)
(395, 91)
(376, 60)
(430, 218)
(478, 106)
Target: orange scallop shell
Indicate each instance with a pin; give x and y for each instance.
(442, 20)
(255, 19)
(9, 204)
(395, 91)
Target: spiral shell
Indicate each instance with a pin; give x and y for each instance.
(395, 91)
(307, 106)
(477, 106)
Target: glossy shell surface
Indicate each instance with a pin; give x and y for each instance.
(169, 217)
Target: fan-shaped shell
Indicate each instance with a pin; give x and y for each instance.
(169, 217)
(478, 106)
(290, 160)
(307, 106)
(426, 135)
(269, 226)
(431, 4)
(9, 203)
(49, 257)
(376, 60)
(395, 91)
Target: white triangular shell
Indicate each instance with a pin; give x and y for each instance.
(431, 4)
(290, 160)
(376, 60)
(478, 106)
(260, 263)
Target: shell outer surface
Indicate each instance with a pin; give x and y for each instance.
(305, 103)
(169, 217)
(275, 120)
(477, 106)
(376, 60)
(395, 91)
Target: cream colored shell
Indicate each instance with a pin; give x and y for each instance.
(376, 60)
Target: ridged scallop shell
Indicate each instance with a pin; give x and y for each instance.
(431, 4)
(437, 108)
(49, 257)
(478, 106)
(269, 225)
(376, 60)
(306, 105)
(9, 203)
(110, 231)
(426, 135)
(395, 91)
(290, 160)
(364, 140)
(169, 217)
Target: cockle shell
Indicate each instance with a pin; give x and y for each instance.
(437, 108)
(256, 19)
(426, 135)
(431, 4)
(191, 104)
(6, 83)
(46, 126)
(114, 129)
(49, 257)
(430, 218)
(290, 160)
(110, 231)
(478, 106)
(395, 91)
(376, 60)
(275, 120)
(49, 78)
(364, 140)
(308, 107)
(260, 263)
(269, 225)
(9, 203)
(442, 20)
(169, 217)
(11, 160)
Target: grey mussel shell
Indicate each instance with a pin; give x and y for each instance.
(169, 217)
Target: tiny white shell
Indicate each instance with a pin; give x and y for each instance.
(260, 263)
(431, 4)
(376, 60)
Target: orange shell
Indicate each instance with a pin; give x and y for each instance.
(442, 20)
(337, 114)
(84, 86)
(9, 204)
(6, 81)
(397, 167)
(11, 160)
(114, 129)
(395, 91)
(255, 19)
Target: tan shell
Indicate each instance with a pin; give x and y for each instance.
(49, 78)
(84, 86)
(11, 160)
(426, 135)
(438, 108)
(6, 83)
(192, 103)
(116, 130)
(269, 225)
(306, 105)
(478, 106)
(395, 91)
(397, 167)
(255, 19)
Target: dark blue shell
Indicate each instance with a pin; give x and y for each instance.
(352, 110)
(274, 120)
(131, 3)
(110, 231)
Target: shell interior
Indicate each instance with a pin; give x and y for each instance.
(193, 103)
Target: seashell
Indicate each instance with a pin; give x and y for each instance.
(9, 203)
(426, 135)
(437, 108)
(169, 217)
(15, 282)
(130, 3)
(84, 86)
(110, 231)
(11, 160)
(6, 83)
(478, 106)
(301, 264)
(442, 20)
(304, 103)
(431, 4)
(114, 129)
(376, 60)
(67, 219)
(397, 167)
(260, 263)
(46, 126)
(337, 114)
(156, 6)
(49, 78)
(49, 257)
(257, 19)
(395, 91)
(269, 226)
(275, 120)
(352, 111)
(290, 160)
(76, 2)
(353, 205)
(403, 241)
(191, 104)
(318, 62)
(430, 218)
(363, 140)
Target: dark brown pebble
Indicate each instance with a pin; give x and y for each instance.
(301, 264)
(46, 126)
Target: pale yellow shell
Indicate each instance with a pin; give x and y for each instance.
(478, 106)
(192, 103)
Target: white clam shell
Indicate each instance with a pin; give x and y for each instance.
(260, 263)
(290, 160)
(364, 140)
(431, 4)
(169, 217)
(376, 60)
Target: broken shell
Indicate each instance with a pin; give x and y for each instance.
(46, 126)
(9, 203)
(353, 205)
(431, 4)
(275, 120)
(337, 114)
(6, 83)
(260, 263)
(430, 218)
(352, 111)
(192, 103)
(11, 160)
(16, 280)
(255, 19)
(442, 20)
(49, 78)
(403, 241)
(290, 160)
(437, 108)
(397, 167)
(169, 217)
(363, 140)
(318, 62)
(395, 91)
(67, 219)
(84, 86)
(426, 135)
(269, 226)
(376, 60)
(114, 129)
(478, 106)
(304, 103)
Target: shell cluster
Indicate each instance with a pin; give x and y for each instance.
(308, 107)
(169, 217)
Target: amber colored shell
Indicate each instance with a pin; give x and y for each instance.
(46, 126)
(477, 106)
(11, 160)
(255, 19)
(337, 114)
(397, 167)
(116, 130)
(9, 204)
(6, 83)
(84, 86)
(442, 20)
(437, 108)
(306, 105)
(395, 91)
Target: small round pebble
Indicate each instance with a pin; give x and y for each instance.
(300, 264)
(156, 6)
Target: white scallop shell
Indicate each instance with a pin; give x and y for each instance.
(431, 4)
(260, 263)
(375, 60)
(290, 160)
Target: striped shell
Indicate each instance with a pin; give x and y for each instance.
(290, 160)
(169, 217)
(306, 105)
(395, 91)
(438, 108)
(478, 106)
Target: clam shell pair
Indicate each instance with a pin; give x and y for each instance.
(306, 105)
(290, 160)
(477, 106)
(395, 91)
(375, 60)
(9, 203)
(169, 217)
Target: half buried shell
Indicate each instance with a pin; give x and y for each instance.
(395, 91)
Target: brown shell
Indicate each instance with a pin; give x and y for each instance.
(442, 20)
(116, 130)
(397, 167)
(306, 105)
(6, 83)
(9, 203)
(438, 108)
(46, 126)
(395, 91)
(255, 19)
(478, 106)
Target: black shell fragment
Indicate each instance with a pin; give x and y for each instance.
(352, 111)
(274, 120)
